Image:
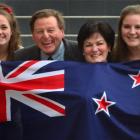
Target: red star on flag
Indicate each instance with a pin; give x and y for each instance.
(136, 79)
(103, 104)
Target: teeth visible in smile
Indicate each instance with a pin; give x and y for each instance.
(46, 43)
(93, 55)
(132, 38)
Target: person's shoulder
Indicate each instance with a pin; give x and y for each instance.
(69, 42)
(27, 53)
(72, 52)
(24, 49)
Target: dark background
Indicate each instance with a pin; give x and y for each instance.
(68, 8)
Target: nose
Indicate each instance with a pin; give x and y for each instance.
(94, 48)
(46, 34)
(132, 30)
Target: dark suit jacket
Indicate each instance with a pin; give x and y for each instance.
(71, 53)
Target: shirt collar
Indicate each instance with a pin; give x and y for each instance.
(58, 55)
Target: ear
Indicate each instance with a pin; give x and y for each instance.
(62, 33)
(33, 37)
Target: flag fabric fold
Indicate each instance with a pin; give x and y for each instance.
(69, 100)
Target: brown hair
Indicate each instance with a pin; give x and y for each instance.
(47, 13)
(120, 52)
(15, 40)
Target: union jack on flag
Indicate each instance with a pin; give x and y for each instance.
(24, 84)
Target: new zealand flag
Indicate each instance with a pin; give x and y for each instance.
(51, 100)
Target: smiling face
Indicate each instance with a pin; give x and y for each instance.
(95, 49)
(5, 32)
(130, 30)
(47, 34)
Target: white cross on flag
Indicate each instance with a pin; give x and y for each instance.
(24, 84)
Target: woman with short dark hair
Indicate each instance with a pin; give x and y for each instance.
(96, 40)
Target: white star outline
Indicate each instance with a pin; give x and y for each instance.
(99, 109)
(135, 84)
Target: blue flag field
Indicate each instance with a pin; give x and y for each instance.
(58, 100)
